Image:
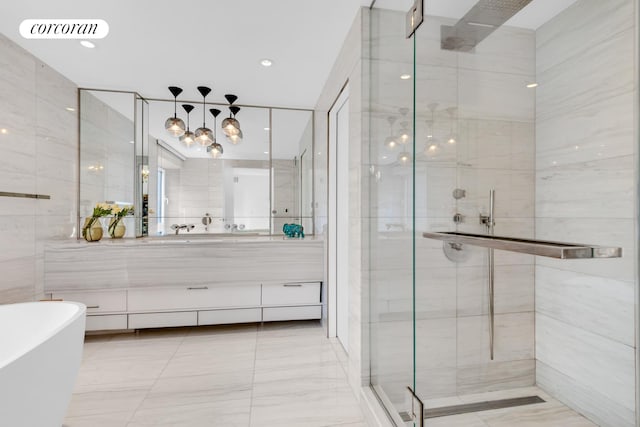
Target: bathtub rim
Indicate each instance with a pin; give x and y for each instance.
(81, 312)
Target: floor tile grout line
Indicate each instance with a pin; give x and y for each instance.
(133, 413)
(253, 377)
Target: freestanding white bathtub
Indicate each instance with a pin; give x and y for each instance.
(40, 354)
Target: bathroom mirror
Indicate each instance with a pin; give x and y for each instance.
(108, 152)
(253, 188)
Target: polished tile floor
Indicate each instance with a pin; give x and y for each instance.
(282, 374)
(275, 374)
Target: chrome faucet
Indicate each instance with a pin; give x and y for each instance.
(187, 227)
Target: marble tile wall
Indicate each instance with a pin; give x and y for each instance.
(38, 154)
(350, 66)
(586, 164)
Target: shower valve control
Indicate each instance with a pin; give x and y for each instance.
(487, 220)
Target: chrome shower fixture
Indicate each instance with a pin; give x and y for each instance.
(480, 21)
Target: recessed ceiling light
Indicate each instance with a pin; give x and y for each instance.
(384, 157)
(4, 131)
(266, 152)
(405, 76)
(70, 109)
(266, 128)
(88, 44)
(266, 62)
(532, 85)
(131, 142)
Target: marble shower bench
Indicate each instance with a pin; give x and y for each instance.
(187, 280)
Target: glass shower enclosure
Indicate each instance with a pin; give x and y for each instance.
(514, 124)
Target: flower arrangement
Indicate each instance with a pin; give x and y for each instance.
(118, 213)
(100, 210)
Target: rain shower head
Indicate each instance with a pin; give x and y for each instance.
(482, 19)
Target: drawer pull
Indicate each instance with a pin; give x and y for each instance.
(93, 306)
(195, 288)
(293, 285)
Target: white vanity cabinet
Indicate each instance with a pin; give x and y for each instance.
(105, 308)
(193, 297)
(197, 305)
(133, 285)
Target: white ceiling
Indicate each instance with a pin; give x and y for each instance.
(153, 44)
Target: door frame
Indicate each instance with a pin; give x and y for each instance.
(333, 238)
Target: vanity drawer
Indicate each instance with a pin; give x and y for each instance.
(193, 297)
(271, 314)
(291, 293)
(163, 320)
(106, 322)
(97, 302)
(224, 317)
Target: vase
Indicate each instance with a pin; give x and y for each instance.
(92, 229)
(116, 228)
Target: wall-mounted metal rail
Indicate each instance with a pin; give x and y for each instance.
(561, 250)
(24, 195)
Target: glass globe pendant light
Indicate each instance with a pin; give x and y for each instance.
(188, 138)
(235, 138)
(390, 142)
(204, 136)
(451, 138)
(174, 125)
(404, 158)
(405, 133)
(215, 149)
(231, 126)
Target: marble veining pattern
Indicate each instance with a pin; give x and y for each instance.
(145, 263)
(585, 193)
(275, 374)
(38, 152)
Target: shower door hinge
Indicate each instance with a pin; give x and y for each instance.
(417, 410)
(414, 17)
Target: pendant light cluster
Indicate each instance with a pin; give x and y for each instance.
(203, 135)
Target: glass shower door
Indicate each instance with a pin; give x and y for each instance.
(474, 132)
(390, 211)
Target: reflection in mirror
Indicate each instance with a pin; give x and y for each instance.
(258, 184)
(197, 193)
(292, 171)
(107, 152)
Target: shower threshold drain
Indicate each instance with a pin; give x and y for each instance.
(446, 411)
